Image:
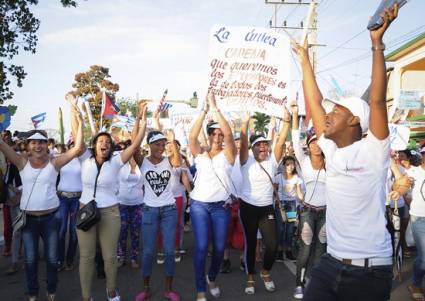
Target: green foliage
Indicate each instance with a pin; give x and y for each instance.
(127, 105)
(260, 122)
(12, 109)
(18, 32)
(89, 85)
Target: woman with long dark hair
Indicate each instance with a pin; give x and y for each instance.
(212, 190)
(101, 164)
(312, 217)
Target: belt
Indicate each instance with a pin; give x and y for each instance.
(314, 208)
(69, 194)
(34, 214)
(365, 262)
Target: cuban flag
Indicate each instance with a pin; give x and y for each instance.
(164, 107)
(38, 120)
(123, 122)
(109, 108)
(162, 101)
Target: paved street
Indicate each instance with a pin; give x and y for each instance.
(12, 288)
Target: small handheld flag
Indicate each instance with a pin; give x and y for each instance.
(109, 107)
(38, 120)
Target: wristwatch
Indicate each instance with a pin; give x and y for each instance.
(378, 47)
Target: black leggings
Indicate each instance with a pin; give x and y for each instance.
(263, 218)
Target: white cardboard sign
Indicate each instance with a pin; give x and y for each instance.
(249, 68)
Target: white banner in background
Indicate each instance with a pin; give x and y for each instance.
(399, 136)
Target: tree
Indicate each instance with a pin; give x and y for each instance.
(89, 85)
(261, 121)
(127, 105)
(17, 33)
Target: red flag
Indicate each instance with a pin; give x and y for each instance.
(109, 107)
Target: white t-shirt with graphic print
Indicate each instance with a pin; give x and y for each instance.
(355, 198)
(157, 182)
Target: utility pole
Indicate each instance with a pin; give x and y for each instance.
(312, 38)
(309, 26)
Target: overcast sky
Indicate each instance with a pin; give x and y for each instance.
(152, 45)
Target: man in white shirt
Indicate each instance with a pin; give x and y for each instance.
(358, 263)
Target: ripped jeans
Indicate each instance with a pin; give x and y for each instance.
(312, 234)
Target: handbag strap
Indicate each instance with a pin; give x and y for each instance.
(268, 175)
(215, 173)
(32, 188)
(314, 188)
(99, 166)
(270, 178)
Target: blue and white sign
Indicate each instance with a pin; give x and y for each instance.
(411, 99)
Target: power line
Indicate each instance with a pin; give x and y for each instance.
(343, 43)
(392, 44)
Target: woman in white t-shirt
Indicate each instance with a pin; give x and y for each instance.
(39, 171)
(69, 193)
(312, 219)
(131, 199)
(257, 204)
(209, 209)
(102, 165)
(159, 211)
(290, 194)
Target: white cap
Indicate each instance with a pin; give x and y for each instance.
(357, 106)
(259, 139)
(156, 137)
(37, 136)
(213, 125)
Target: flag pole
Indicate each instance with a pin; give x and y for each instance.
(61, 131)
(101, 110)
(90, 116)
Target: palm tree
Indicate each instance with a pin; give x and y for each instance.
(261, 121)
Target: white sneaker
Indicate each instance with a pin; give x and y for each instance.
(116, 298)
(160, 259)
(215, 292)
(299, 293)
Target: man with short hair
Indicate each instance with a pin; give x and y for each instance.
(358, 263)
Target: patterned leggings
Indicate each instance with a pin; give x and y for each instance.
(131, 218)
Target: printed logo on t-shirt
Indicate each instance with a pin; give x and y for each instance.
(158, 182)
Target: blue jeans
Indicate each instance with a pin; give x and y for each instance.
(418, 230)
(165, 218)
(68, 208)
(206, 216)
(46, 227)
(331, 280)
(287, 229)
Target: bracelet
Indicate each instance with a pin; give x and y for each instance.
(204, 111)
(287, 120)
(378, 47)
